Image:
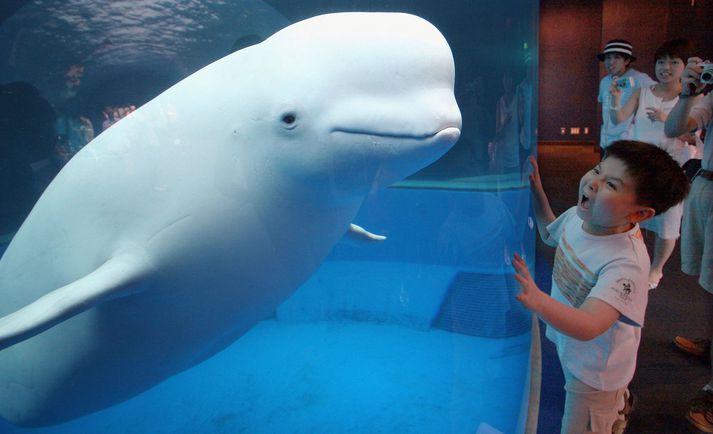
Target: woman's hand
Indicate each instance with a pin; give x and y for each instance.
(654, 114)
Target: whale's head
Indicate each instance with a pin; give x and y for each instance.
(351, 101)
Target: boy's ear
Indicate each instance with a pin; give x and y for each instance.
(641, 215)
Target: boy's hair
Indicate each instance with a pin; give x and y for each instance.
(676, 48)
(660, 181)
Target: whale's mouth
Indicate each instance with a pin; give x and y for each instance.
(441, 133)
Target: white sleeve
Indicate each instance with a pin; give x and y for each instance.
(622, 284)
(556, 228)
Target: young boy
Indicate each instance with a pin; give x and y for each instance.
(600, 278)
(617, 57)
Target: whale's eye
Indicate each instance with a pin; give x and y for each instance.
(289, 120)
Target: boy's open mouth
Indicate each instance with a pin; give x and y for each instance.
(584, 202)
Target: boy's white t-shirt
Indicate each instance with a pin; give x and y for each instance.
(611, 268)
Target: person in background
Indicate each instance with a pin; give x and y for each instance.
(617, 56)
(73, 128)
(504, 150)
(693, 111)
(524, 93)
(477, 123)
(113, 114)
(600, 278)
(650, 106)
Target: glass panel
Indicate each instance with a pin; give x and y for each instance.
(419, 332)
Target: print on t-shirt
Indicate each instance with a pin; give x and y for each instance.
(623, 290)
(571, 276)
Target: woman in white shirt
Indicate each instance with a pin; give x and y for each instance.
(650, 106)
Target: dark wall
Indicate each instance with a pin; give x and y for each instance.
(570, 31)
(573, 32)
(694, 23)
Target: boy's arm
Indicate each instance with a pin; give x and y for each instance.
(679, 120)
(541, 205)
(587, 322)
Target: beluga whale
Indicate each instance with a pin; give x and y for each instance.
(180, 227)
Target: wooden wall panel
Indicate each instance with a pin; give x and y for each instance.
(570, 32)
(692, 19)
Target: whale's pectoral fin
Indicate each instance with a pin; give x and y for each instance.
(358, 233)
(118, 277)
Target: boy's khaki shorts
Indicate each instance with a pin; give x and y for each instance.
(697, 233)
(588, 410)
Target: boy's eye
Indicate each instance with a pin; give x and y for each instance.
(611, 185)
(596, 170)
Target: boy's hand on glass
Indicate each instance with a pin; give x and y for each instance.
(530, 294)
(535, 180)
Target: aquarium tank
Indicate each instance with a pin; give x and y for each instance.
(223, 216)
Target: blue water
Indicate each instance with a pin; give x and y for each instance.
(354, 349)
(332, 377)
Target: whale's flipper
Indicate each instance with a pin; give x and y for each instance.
(118, 277)
(358, 233)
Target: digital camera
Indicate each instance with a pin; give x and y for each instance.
(625, 82)
(707, 73)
